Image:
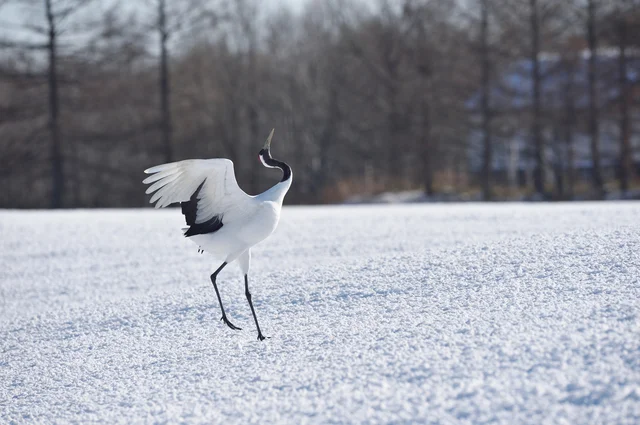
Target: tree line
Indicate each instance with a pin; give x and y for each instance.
(485, 98)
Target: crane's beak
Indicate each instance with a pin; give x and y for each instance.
(267, 144)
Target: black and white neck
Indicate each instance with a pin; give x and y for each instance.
(269, 162)
(277, 192)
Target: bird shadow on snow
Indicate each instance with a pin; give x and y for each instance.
(205, 315)
(80, 324)
(371, 280)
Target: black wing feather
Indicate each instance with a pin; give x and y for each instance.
(190, 210)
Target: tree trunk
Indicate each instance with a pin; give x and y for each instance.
(394, 146)
(427, 149)
(625, 139)
(593, 101)
(293, 109)
(74, 161)
(57, 160)
(327, 139)
(486, 112)
(254, 141)
(569, 123)
(536, 128)
(559, 161)
(252, 112)
(165, 107)
(234, 127)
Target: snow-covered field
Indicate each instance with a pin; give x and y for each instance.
(377, 314)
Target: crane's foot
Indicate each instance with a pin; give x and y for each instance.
(228, 323)
(262, 337)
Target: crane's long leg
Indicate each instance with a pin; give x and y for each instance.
(224, 315)
(248, 294)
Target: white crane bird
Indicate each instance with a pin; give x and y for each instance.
(221, 218)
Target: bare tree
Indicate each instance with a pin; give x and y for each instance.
(57, 161)
(594, 125)
(57, 15)
(623, 90)
(365, 100)
(172, 18)
(486, 102)
(569, 123)
(246, 14)
(536, 126)
(165, 87)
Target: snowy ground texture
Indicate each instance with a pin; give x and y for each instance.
(432, 314)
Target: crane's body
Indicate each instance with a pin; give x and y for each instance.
(222, 219)
(255, 222)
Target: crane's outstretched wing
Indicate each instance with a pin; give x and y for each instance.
(206, 189)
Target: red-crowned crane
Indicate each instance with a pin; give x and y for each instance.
(221, 218)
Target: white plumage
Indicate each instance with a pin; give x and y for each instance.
(223, 220)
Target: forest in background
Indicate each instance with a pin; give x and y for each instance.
(491, 99)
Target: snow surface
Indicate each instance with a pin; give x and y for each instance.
(378, 314)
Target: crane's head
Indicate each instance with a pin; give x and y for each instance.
(265, 152)
(267, 144)
(269, 162)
